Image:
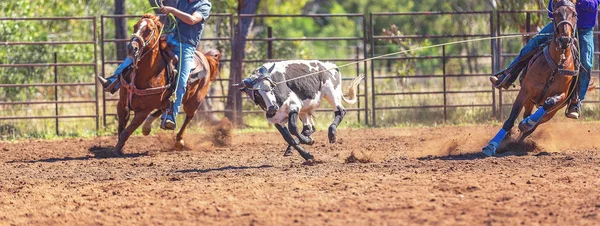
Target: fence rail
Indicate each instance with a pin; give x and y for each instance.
(437, 82)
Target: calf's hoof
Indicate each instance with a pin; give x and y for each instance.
(289, 151)
(332, 135)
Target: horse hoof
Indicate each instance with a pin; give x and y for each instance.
(489, 150)
(288, 153)
(118, 153)
(146, 130)
(524, 127)
(179, 145)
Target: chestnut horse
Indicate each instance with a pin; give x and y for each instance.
(147, 87)
(550, 78)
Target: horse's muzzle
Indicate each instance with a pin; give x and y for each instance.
(132, 49)
(564, 42)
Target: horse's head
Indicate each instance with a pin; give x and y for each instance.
(259, 87)
(565, 22)
(146, 33)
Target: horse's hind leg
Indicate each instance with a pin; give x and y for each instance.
(490, 149)
(180, 143)
(528, 109)
(530, 122)
(544, 119)
(147, 127)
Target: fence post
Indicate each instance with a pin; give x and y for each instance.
(102, 63)
(95, 29)
(371, 34)
(269, 43)
(500, 60)
(494, 61)
(365, 54)
(444, 81)
(358, 74)
(56, 91)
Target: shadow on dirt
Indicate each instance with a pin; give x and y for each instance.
(223, 169)
(99, 153)
(507, 148)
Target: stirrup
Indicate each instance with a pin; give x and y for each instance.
(573, 112)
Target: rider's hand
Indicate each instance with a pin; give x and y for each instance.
(167, 9)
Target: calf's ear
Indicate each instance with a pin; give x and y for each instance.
(272, 67)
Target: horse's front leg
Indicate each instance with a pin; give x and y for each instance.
(287, 136)
(122, 116)
(530, 122)
(490, 149)
(138, 119)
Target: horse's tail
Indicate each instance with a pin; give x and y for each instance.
(353, 90)
(213, 57)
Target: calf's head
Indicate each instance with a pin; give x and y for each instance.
(259, 87)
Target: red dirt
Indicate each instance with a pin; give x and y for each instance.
(413, 176)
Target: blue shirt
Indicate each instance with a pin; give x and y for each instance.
(190, 34)
(587, 12)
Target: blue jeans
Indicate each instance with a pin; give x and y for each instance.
(186, 59)
(586, 48)
(586, 53)
(128, 61)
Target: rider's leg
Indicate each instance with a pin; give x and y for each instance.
(586, 47)
(505, 78)
(111, 84)
(187, 55)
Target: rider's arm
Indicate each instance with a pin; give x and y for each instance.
(198, 16)
(588, 5)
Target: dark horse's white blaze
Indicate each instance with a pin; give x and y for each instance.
(298, 96)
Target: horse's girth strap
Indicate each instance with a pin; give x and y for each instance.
(143, 92)
(555, 68)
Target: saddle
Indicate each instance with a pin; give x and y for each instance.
(200, 67)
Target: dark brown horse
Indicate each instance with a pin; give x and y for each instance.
(147, 87)
(550, 78)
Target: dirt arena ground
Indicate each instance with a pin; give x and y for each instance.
(432, 176)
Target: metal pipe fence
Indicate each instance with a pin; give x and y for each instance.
(438, 84)
(53, 99)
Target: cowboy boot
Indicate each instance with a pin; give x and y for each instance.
(501, 79)
(111, 84)
(573, 111)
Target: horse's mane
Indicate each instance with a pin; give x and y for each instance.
(155, 18)
(213, 58)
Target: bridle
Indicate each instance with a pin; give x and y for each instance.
(138, 37)
(571, 38)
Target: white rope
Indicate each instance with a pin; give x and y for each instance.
(412, 50)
